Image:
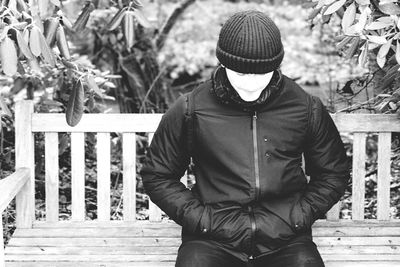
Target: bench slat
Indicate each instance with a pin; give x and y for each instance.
(358, 179)
(138, 231)
(171, 264)
(175, 241)
(103, 176)
(91, 250)
(103, 242)
(129, 175)
(162, 257)
(383, 194)
(78, 176)
(133, 122)
(92, 264)
(51, 169)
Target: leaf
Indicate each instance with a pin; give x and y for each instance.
(34, 41)
(4, 109)
(389, 9)
(398, 52)
(9, 57)
(334, 7)
(141, 18)
(342, 43)
(62, 43)
(362, 20)
(381, 57)
(50, 28)
(322, 3)
(116, 20)
(353, 48)
(129, 29)
(377, 39)
(349, 16)
(377, 25)
(83, 18)
(314, 13)
(362, 59)
(23, 46)
(93, 85)
(47, 53)
(75, 104)
(4, 33)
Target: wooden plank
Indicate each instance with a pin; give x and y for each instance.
(105, 257)
(101, 242)
(114, 223)
(103, 176)
(138, 122)
(175, 231)
(77, 176)
(358, 193)
(360, 264)
(2, 258)
(170, 223)
(51, 179)
(129, 175)
(124, 258)
(91, 250)
(99, 232)
(11, 185)
(357, 240)
(155, 213)
(172, 263)
(357, 258)
(383, 194)
(24, 157)
(175, 241)
(53, 122)
(91, 264)
(366, 122)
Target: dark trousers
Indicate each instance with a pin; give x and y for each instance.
(202, 253)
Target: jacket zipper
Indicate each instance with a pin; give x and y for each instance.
(256, 168)
(253, 231)
(253, 127)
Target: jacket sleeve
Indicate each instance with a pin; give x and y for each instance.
(165, 163)
(325, 162)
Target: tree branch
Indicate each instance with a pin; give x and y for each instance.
(172, 19)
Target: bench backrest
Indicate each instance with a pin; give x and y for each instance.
(27, 123)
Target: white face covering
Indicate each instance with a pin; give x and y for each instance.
(248, 86)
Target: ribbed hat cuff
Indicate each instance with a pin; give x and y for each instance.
(248, 65)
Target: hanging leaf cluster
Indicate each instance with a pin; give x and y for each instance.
(367, 26)
(126, 18)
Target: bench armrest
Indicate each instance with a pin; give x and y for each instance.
(11, 185)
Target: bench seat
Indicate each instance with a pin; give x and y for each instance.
(143, 243)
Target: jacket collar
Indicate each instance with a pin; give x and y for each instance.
(226, 94)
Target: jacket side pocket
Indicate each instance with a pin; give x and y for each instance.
(204, 222)
(297, 218)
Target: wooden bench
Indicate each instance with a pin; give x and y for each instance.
(105, 242)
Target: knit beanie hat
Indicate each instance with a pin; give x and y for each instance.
(250, 42)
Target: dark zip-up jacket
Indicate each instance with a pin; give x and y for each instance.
(251, 195)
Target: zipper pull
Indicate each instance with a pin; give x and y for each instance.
(255, 114)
